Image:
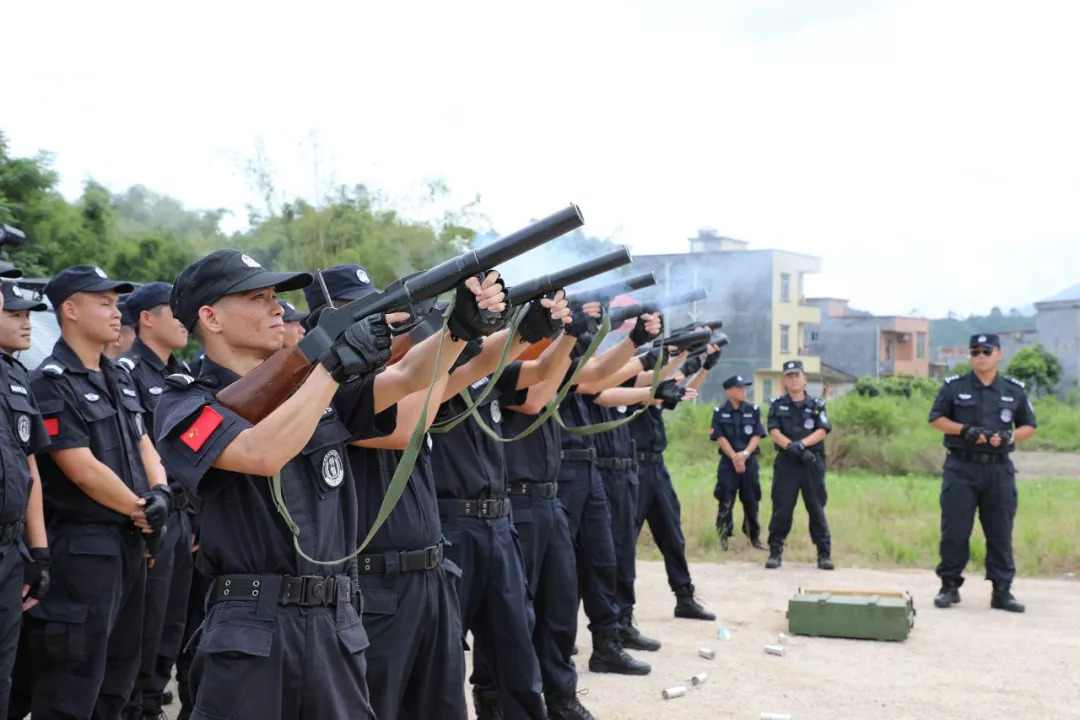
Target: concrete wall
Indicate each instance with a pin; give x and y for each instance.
(846, 344)
(1058, 326)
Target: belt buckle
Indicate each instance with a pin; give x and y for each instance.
(316, 589)
(433, 556)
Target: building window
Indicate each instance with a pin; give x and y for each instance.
(813, 336)
(766, 388)
(920, 346)
(785, 287)
(785, 331)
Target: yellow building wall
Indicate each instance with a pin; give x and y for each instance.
(792, 312)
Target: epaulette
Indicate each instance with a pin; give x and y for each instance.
(774, 399)
(820, 402)
(52, 369)
(126, 363)
(1014, 381)
(756, 407)
(179, 380)
(951, 378)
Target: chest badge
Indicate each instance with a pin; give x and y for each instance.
(748, 429)
(621, 409)
(1006, 415)
(333, 470)
(496, 411)
(92, 397)
(808, 423)
(156, 390)
(22, 425)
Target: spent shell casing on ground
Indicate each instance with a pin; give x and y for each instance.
(674, 692)
(699, 678)
(782, 639)
(706, 653)
(775, 716)
(775, 650)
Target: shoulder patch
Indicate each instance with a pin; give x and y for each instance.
(774, 399)
(1014, 381)
(52, 369)
(179, 380)
(951, 378)
(126, 363)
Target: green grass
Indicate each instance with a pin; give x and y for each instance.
(877, 517)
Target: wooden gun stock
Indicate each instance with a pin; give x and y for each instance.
(255, 395)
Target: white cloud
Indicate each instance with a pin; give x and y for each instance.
(926, 150)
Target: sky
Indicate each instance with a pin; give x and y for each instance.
(928, 152)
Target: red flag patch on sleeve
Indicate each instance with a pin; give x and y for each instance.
(52, 426)
(201, 430)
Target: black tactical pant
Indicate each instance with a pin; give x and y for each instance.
(582, 494)
(621, 488)
(86, 635)
(790, 477)
(196, 613)
(747, 487)
(416, 663)
(989, 488)
(658, 505)
(11, 582)
(258, 659)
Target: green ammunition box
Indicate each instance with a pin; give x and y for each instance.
(857, 614)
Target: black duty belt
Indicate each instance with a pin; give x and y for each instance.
(491, 508)
(11, 532)
(586, 454)
(985, 458)
(180, 500)
(615, 463)
(407, 561)
(303, 590)
(545, 491)
(649, 458)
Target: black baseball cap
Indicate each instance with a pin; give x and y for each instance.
(146, 297)
(81, 278)
(793, 366)
(291, 313)
(221, 273)
(343, 282)
(7, 270)
(15, 298)
(985, 340)
(737, 381)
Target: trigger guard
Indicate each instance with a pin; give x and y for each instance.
(417, 312)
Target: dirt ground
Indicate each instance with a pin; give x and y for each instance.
(1031, 464)
(965, 662)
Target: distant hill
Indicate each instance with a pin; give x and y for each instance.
(946, 332)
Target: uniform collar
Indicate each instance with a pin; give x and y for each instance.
(787, 396)
(998, 383)
(71, 362)
(145, 354)
(728, 406)
(222, 374)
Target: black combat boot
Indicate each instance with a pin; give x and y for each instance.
(687, 606)
(486, 704)
(755, 542)
(564, 705)
(949, 594)
(723, 541)
(824, 562)
(1002, 599)
(608, 656)
(774, 557)
(166, 697)
(630, 637)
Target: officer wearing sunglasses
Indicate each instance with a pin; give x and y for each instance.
(983, 414)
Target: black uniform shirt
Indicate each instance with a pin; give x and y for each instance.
(467, 463)
(574, 411)
(21, 433)
(97, 410)
(242, 531)
(615, 443)
(738, 425)
(648, 432)
(1001, 405)
(414, 523)
(149, 373)
(797, 420)
(536, 457)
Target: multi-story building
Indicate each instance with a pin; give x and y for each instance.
(758, 295)
(1057, 320)
(874, 345)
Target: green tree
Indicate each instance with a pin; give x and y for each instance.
(1037, 367)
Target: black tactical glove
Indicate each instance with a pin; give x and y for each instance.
(971, 433)
(1006, 437)
(639, 335)
(471, 350)
(538, 323)
(155, 541)
(362, 349)
(710, 360)
(583, 323)
(37, 566)
(795, 449)
(670, 391)
(691, 366)
(158, 505)
(468, 321)
(648, 360)
(808, 457)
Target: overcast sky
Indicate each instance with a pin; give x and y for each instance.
(929, 152)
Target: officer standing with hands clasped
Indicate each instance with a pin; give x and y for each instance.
(736, 430)
(798, 425)
(983, 414)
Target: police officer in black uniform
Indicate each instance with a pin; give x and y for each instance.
(798, 424)
(24, 551)
(294, 322)
(415, 663)
(106, 502)
(736, 430)
(983, 414)
(150, 361)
